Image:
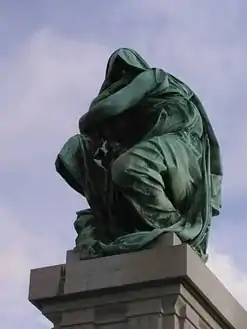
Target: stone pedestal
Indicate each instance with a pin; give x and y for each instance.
(166, 287)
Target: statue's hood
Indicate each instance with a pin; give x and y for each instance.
(121, 61)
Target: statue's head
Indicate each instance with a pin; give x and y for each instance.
(123, 61)
(123, 66)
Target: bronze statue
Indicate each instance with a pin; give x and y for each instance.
(146, 159)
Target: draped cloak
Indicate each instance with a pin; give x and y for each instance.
(170, 178)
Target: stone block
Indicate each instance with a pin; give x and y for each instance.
(165, 287)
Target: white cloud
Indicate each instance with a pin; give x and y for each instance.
(45, 87)
(227, 271)
(19, 252)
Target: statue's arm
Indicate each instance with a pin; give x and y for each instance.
(125, 98)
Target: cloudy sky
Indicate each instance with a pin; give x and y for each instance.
(52, 60)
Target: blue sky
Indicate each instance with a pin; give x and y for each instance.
(52, 61)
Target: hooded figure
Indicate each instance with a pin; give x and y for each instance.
(146, 159)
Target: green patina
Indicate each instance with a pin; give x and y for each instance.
(146, 159)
